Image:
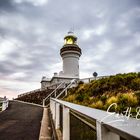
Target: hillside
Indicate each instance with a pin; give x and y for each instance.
(123, 89)
(37, 96)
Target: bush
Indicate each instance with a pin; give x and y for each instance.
(111, 100)
(137, 94)
(70, 98)
(114, 89)
(103, 98)
(80, 97)
(127, 100)
(135, 84)
(138, 74)
(98, 105)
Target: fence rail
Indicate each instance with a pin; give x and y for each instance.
(87, 80)
(54, 92)
(102, 125)
(64, 86)
(4, 104)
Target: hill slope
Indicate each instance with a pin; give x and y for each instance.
(123, 89)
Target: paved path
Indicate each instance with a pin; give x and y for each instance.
(20, 122)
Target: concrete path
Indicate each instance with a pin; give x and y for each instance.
(45, 131)
(20, 122)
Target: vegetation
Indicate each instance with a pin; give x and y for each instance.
(123, 89)
(37, 96)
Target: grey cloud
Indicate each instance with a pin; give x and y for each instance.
(5, 4)
(41, 29)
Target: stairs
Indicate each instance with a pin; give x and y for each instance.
(43, 97)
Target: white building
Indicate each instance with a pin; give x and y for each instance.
(70, 53)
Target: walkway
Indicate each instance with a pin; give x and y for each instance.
(20, 122)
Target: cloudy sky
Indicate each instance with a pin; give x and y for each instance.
(32, 32)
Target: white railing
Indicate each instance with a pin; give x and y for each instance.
(88, 80)
(108, 126)
(4, 103)
(68, 86)
(53, 86)
(61, 85)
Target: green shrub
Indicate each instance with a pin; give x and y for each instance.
(111, 100)
(138, 74)
(127, 99)
(80, 97)
(97, 105)
(70, 98)
(137, 94)
(135, 84)
(103, 98)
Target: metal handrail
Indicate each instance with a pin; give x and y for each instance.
(65, 90)
(54, 91)
(51, 86)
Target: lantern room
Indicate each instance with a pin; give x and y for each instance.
(70, 38)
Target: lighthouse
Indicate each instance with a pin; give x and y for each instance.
(70, 53)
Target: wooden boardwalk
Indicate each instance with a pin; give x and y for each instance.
(20, 122)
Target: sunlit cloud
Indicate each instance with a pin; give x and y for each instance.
(7, 46)
(34, 2)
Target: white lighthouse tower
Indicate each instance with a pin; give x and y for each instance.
(70, 53)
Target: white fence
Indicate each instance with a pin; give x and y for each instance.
(87, 80)
(108, 126)
(4, 103)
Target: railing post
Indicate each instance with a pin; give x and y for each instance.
(104, 134)
(57, 123)
(55, 94)
(66, 92)
(43, 103)
(66, 123)
(7, 102)
(51, 105)
(3, 105)
(53, 110)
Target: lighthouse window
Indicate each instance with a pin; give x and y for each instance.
(69, 41)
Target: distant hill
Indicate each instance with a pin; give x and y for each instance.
(123, 89)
